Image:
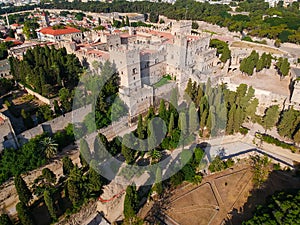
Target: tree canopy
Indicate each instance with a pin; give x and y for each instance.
(280, 208)
(46, 70)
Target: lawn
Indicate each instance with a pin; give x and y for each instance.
(162, 81)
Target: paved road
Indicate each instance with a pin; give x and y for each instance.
(241, 146)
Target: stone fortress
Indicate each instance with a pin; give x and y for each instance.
(143, 56)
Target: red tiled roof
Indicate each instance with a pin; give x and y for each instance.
(13, 40)
(57, 32)
(15, 25)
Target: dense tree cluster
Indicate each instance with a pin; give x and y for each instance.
(4, 46)
(5, 220)
(217, 164)
(289, 125)
(6, 85)
(108, 107)
(32, 154)
(131, 202)
(79, 183)
(260, 22)
(154, 136)
(280, 208)
(220, 109)
(46, 70)
(254, 61)
(283, 66)
(260, 167)
(222, 49)
(29, 29)
(190, 162)
(270, 118)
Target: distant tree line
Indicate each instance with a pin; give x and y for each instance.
(284, 26)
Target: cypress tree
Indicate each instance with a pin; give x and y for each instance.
(182, 124)
(162, 112)
(271, 117)
(74, 193)
(203, 118)
(238, 119)
(193, 119)
(48, 198)
(24, 214)
(5, 220)
(130, 202)
(230, 122)
(261, 63)
(85, 153)
(297, 137)
(171, 124)
(158, 181)
(200, 94)
(95, 179)
(128, 153)
(285, 67)
(140, 128)
(152, 139)
(251, 109)
(67, 165)
(127, 21)
(23, 191)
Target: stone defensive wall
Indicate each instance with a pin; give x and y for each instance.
(54, 125)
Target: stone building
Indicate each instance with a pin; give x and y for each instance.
(295, 99)
(5, 69)
(61, 34)
(143, 56)
(8, 138)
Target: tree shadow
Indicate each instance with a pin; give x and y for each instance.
(277, 181)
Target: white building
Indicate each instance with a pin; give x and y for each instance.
(62, 34)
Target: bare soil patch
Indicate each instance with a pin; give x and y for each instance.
(257, 47)
(226, 197)
(265, 80)
(210, 202)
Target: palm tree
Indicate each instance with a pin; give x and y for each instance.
(50, 147)
(155, 155)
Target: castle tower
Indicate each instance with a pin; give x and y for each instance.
(182, 27)
(128, 64)
(177, 51)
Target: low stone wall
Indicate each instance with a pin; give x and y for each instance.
(164, 91)
(55, 125)
(38, 96)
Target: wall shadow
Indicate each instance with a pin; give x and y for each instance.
(277, 181)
